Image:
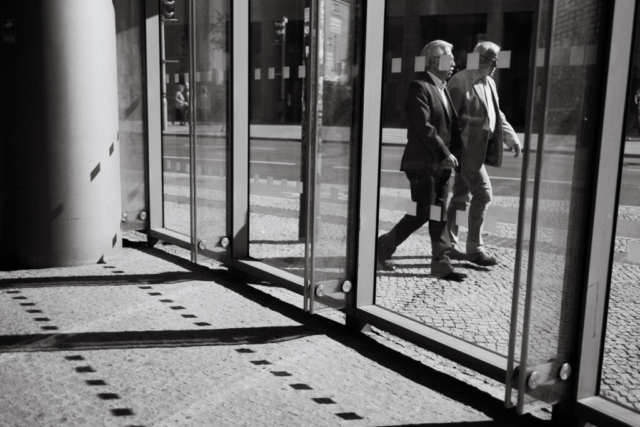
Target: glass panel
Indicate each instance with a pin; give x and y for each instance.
(211, 81)
(338, 115)
(409, 278)
(574, 50)
(277, 170)
(131, 107)
(620, 379)
(176, 96)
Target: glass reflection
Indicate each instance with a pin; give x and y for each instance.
(570, 58)
(211, 81)
(338, 115)
(176, 96)
(466, 296)
(129, 42)
(620, 379)
(277, 168)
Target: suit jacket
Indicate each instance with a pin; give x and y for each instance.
(469, 102)
(431, 133)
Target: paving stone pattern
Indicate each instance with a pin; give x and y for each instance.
(479, 309)
(122, 355)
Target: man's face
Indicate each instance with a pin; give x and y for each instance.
(443, 74)
(488, 63)
(452, 65)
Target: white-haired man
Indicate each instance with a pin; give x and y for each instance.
(433, 136)
(484, 129)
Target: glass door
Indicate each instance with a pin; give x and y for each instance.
(504, 301)
(175, 27)
(332, 137)
(210, 118)
(561, 150)
(303, 110)
(194, 43)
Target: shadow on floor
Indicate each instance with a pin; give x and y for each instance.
(151, 339)
(311, 325)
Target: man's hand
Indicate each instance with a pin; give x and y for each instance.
(517, 148)
(450, 162)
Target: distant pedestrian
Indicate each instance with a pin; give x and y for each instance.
(181, 105)
(203, 104)
(634, 113)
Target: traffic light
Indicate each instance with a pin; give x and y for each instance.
(168, 9)
(280, 30)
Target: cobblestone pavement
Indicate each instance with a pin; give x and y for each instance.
(479, 309)
(152, 340)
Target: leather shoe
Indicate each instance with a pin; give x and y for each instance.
(454, 253)
(442, 268)
(481, 258)
(384, 254)
(386, 265)
(455, 277)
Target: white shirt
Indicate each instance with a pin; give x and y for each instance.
(491, 112)
(441, 86)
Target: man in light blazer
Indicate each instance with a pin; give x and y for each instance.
(430, 154)
(484, 129)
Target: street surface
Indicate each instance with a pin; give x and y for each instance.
(477, 310)
(152, 339)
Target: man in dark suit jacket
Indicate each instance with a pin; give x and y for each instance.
(433, 141)
(484, 129)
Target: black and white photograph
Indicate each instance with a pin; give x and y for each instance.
(320, 213)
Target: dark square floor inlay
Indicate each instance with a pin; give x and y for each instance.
(155, 294)
(245, 350)
(13, 292)
(21, 297)
(49, 328)
(27, 304)
(281, 373)
(75, 357)
(177, 307)
(118, 271)
(189, 316)
(42, 319)
(122, 412)
(300, 387)
(323, 400)
(108, 396)
(96, 382)
(34, 311)
(84, 369)
(108, 266)
(349, 416)
(166, 300)
(202, 324)
(261, 362)
(144, 287)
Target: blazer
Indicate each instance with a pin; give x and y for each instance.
(474, 121)
(432, 135)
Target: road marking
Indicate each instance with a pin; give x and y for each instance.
(383, 170)
(262, 162)
(546, 181)
(273, 163)
(504, 178)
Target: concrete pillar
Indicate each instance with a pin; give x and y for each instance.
(59, 154)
